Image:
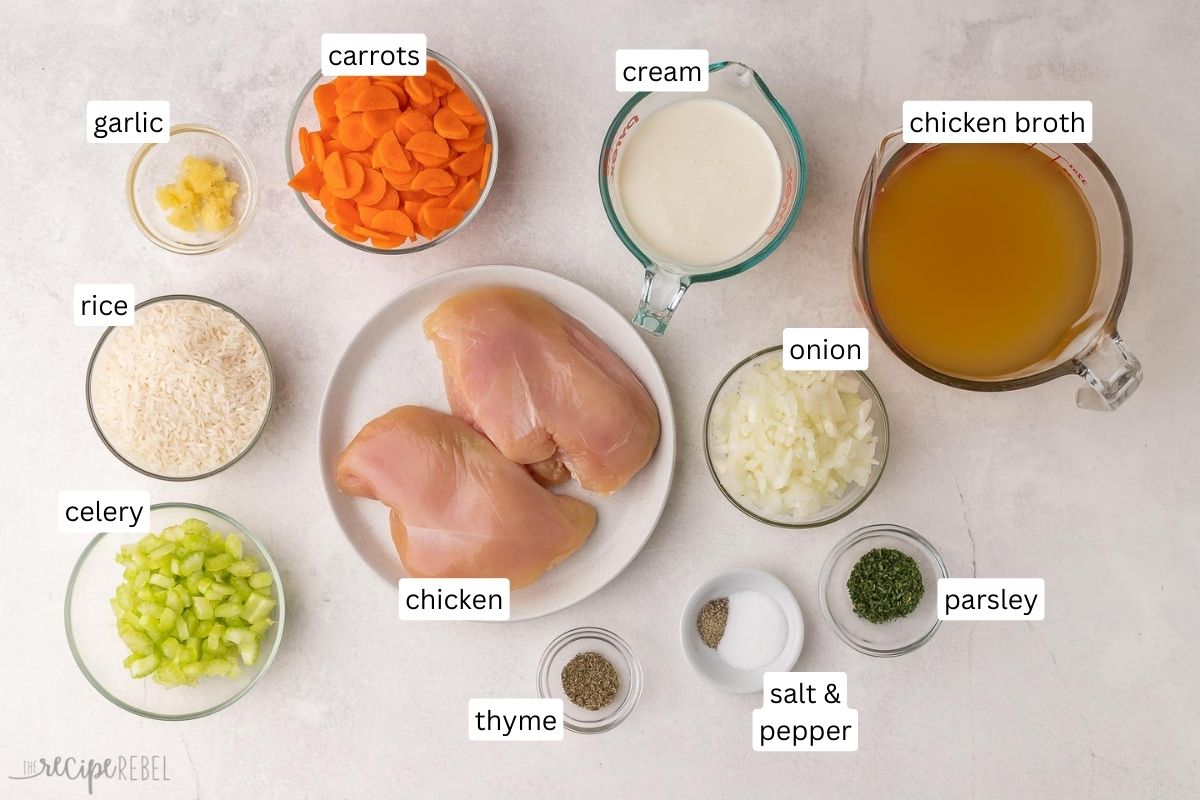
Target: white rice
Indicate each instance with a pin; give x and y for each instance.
(182, 391)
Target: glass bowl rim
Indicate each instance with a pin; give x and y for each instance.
(141, 712)
(87, 390)
(305, 94)
(621, 712)
(853, 538)
(816, 522)
(215, 245)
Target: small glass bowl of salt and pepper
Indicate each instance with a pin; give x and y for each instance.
(596, 675)
(738, 626)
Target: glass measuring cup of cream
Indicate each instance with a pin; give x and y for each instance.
(998, 266)
(701, 186)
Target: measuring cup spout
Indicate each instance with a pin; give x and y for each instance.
(661, 294)
(1111, 371)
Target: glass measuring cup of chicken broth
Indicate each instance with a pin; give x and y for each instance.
(701, 186)
(998, 266)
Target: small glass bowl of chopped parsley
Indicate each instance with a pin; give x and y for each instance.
(878, 590)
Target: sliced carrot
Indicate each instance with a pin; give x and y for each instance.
(354, 174)
(395, 157)
(373, 187)
(396, 222)
(375, 98)
(308, 179)
(419, 89)
(317, 145)
(390, 154)
(305, 146)
(466, 196)
(439, 77)
(398, 179)
(428, 109)
(411, 122)
(334, 171)
(342, 212)
(487, 162)
(394, 86)
(381, 121)
(458, 102)
(447, 125)
(349, 232)
(468, 163)
(428, 148)
(353, 133)
(437, 182)
(442, 218)
(367, 213)
(412, 195)
(474, 140)
(323, 97)
(390, 201)
(388, 242)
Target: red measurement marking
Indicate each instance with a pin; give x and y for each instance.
(789, 191)
(610, 158)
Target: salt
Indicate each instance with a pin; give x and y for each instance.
(755, 633)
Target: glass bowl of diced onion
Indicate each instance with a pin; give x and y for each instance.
(795, 449)
(101, 653)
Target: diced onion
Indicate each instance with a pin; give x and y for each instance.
(789, 444)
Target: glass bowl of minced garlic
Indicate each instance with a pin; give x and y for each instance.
(194, 193)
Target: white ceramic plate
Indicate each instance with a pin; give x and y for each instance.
(390, 363)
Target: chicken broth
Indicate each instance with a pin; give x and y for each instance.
(982, 259)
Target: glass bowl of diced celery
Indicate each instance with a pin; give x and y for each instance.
(177, 623)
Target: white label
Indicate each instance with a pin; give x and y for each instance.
(805, 712)
(103, 512)
(825, 348)
(991, 599)
(454, 598)
(515, 720)
(662, 70)
(372, 54)
(103, 304)
(1014, 121)
(126, 121)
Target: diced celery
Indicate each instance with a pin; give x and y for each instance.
(203, 606)
(143, 666)
(190, 604)
(256, 607)
(228, 610)
(218, 563)
(193, 563)
(162, 551)
(240, 586)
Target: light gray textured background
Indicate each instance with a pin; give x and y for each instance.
(1100, 700)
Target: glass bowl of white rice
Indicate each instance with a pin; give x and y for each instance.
(795, 449)
(184, 392)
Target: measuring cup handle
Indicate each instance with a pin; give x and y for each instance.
(661, 294)
(1111, 371)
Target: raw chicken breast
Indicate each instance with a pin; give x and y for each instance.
(543, 388)
(460, 509)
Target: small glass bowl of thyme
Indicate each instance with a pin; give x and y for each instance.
(878, 590)
(596, 675)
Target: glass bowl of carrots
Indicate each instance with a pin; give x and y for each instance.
(392, 164)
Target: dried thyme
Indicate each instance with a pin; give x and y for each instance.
(590, 681)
